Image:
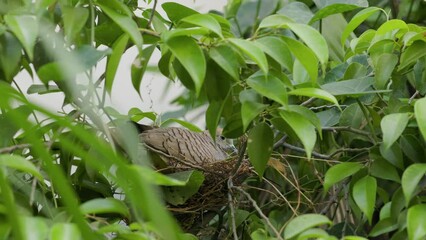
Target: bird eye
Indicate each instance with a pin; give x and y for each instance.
(222, 137)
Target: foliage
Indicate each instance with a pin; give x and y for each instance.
(334, 123)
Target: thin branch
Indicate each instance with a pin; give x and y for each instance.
(307, 102)
(231, 207)
(152, 14)
(414, 96)
(253, 202)
(301, 150)
(14, 148)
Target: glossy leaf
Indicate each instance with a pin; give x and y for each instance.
(277, 49)
(275, 21)
(383, 226)
(179, 195)
(269, 86)
(176, 11)
(10, 55)
(391, 25)
(393, 155)
(75, 19)
(306, 113)
(420, 113)
(410, 180)
(252, 51)
(304, 222)
(416, 222)
(364, 195)
(259, 146)
(65, 231)
(338, 8)
(249, 111)
(194, 31)
(104, 205)
(125, 22)
(412, 54)
(383, 68)
(304, 130)
(313, 39)
(227, 59)
(206, 21)
(190, 55)
(157, 178)
(305, 56)
(352, 87)
(315, 92)
(139, 66)
(19, 163)
(356, 20)
(392, 126)
(339, 172)
(183, 123)
(384, 170)
(25, 28)
(114, 60)
(213, 114)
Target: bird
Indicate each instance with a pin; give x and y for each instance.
(179, 146)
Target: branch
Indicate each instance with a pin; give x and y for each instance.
(13, 148)
(253, 202)
(349, 129)
(152, 14)
(231, 207)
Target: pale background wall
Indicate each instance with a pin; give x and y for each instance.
(124, 96)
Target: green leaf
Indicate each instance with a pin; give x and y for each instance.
(65, 231)
(259, 146)
(275, 21)
(176, 11)
(383, 68)
(42, 89)
(352, 87)
(411, 54)
(356, 21)
(269, 86)
(364, 195)
(416, 222)
(19, 163)
(305, 56)
(75, 19)
(185, 124)
(391, 25)
(179, 195)
(383, 226)
(277, 49)
(114, 60)
(252, 51)
(190, 55)
(33, 228)
(205, 21)
(306, 113)
(420, 113)
(304, 222)
(303, 128)
(136, 115)
(410, 180)
(104, 205)
(125, 22)
(184, 32)
(315, 92)
(10, 55)
(339, 172)
(392, 126)
(249, 111)
(227, 59)
(393, 155)
(384, 170)
(157, 178)
(298, 11)
(313, 39)
(139, 66)
(338, 8)
(412, 147)
(213, 113)
(25, 28)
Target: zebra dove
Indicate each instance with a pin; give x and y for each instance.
(176, 145)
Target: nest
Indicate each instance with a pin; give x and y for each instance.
(213, 193)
